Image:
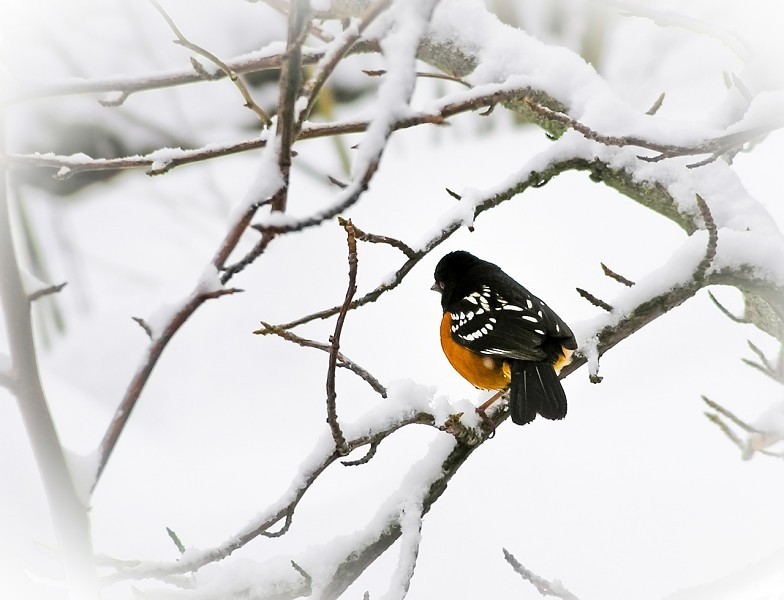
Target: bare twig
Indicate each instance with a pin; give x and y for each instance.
(594, 300)
(726, 311)
(332, 417)
(308, 580)
(544, 587)
(716, 146)
(380, 239)
(230, 73)
(725, 412)
(365, 459)
(343, 360)
(716, 420)
(52, 289)
(613, 275)
(713, 238)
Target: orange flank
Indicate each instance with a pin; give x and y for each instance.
(485, 372)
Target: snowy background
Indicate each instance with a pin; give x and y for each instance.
(635, 495)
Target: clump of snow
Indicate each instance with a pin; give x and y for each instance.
(209, 281)
(590, 349)
(164, 156)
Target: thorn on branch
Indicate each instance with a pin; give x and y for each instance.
(713, 238)
(454, 195)
(656, 105)
(594, 300)
(305, 575)
(52, 289)
(220, 292)
(118, 100)
(176, 540)
(337, 183)
(143, 324)
(613, 275)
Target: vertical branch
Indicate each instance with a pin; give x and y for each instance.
(69, 514)
(290, 84)
(332, 416)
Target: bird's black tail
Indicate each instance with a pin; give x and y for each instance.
(535, 389)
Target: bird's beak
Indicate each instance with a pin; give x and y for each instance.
(435, 287)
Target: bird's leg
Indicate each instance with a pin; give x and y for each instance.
(486, 420)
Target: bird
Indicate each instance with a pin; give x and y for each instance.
(497, 334)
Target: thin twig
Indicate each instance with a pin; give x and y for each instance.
(380, 239)
(230, 73)
(423, 74)
(308, 580)
(52, 289)
(332, 416)
(723, 411)
(542, 585)
(726, 311)
(713, 239)
(594, 300)
(613, 275)
(343, 360)
(365, 459)
(716, 420)
(144, 325)
(715, 146)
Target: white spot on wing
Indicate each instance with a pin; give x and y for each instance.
(530, 318)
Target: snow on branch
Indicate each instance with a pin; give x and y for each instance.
(716, 147)
(543, 586)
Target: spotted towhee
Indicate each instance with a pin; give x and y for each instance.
(496, 333)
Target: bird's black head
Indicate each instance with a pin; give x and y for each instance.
(451, 275)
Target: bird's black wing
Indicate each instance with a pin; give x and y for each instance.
(503, 319)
